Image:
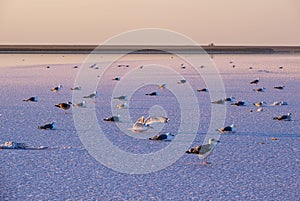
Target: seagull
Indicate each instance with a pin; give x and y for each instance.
(113, 118)
(162, 86)
(260, 104)
(260, 109)
(121, 98)
(80, 105)
(181, 82)
(92, 95)
(255, 81)
(228, 129)
(64, 106)
(287, 117)
(75, 66)
(230, 99)
(240, 103)
(279, 103)
(32, 99)
(123, 65)
(92, 66)
(117, 79)
(182, 66)
(163, 137)
(13, 145)
(204, 150)
(56, 89)
(159, 119)
(139, 125)
(281, 87)
(142, 125)
(51, 126)
(154, 93)
(221, 101)
(261, 89)
(203, 90)
(122, 105)
(77, 88)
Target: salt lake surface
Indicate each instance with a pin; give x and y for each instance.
(246, 165)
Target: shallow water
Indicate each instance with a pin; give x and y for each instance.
(242, 168)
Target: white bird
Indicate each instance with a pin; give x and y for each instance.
(80, 105)
(56, 89)
(260, 109)
(204, 150)
(77, 88)
(228, 129)
(182, 66)
(139, 125)
(142, 125)
(92, 95)
(13, 145)
(163, 137)
(279, 103)
(159, 119)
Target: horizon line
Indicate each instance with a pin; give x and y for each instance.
(86, 49)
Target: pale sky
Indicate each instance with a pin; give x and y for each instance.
(223, 22)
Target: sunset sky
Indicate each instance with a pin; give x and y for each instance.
(230, 22)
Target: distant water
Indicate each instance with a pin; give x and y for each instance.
(7, 60)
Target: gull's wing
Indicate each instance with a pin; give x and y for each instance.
(140, 120)
(206, 148)
(139, 127)
(151, 120)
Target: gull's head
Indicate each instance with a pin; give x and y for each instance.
(54, 124)
(233, 126)
(289, 114)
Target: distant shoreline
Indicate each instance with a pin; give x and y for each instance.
(87, 49)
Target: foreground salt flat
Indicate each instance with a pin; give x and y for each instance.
(242, 168)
